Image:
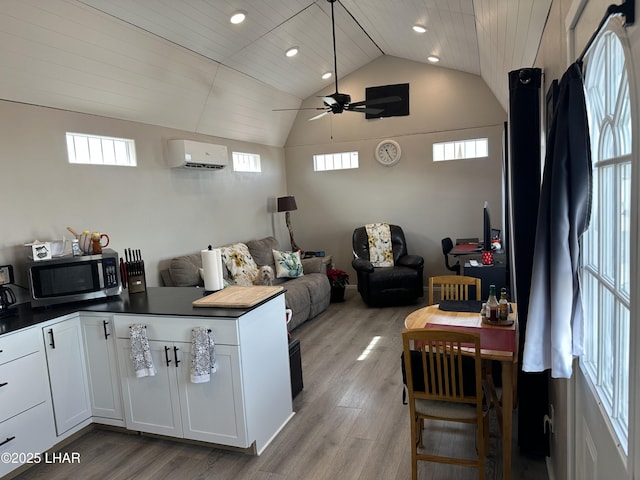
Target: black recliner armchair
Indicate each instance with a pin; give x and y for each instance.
(385, 286)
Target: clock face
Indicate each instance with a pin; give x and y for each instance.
(388, 152)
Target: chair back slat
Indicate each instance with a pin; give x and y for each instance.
(442, 352)
(453, 287)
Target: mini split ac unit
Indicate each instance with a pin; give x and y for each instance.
(197, 155)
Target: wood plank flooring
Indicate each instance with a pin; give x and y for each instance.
(350, 421)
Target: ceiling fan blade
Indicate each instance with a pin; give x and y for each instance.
(291, 109)
(320, 115)
(375, 101)
(372, 111)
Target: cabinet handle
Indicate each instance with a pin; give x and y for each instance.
(166, 355)
(104, 325)
(175, 355)
(4, 384)
(8, 440)
(53, 340)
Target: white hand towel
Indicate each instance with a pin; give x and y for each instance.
(140, 351)
(203, 355)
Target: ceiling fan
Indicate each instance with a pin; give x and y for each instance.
(341, 102)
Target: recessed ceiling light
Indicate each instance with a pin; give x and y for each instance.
(326, 75)
(238, 17)
(433, 59)
(291, 52)
(419, 28)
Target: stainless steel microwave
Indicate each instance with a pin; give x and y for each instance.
(74, 278)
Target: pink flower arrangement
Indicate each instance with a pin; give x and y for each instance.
(337, 278)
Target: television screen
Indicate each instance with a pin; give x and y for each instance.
(486, 232)
(393, 109)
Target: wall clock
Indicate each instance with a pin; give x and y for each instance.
(388, 152)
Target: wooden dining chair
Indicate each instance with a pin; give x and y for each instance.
(454, 287)
(444, 384)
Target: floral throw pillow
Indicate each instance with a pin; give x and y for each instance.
(240, 263)
(288, 264)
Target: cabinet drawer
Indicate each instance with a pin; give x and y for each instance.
(178, 329)
(26, 435)
(19, 344)
(23, 383)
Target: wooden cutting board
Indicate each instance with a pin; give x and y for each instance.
(237, 297)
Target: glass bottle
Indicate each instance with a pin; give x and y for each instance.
(491, 310)
(503, 306)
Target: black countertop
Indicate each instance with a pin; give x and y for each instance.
(175, 301)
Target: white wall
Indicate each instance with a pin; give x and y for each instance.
(429, 200)
(162, 211)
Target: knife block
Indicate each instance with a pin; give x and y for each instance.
(137, 283)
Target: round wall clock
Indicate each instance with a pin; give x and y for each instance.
(388, 152)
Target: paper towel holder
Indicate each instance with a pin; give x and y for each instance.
(220, 280)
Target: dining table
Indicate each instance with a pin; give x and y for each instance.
(498, 342)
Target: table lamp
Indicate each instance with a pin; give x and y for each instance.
(288, 204)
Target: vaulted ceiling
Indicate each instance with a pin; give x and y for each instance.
(183, 65)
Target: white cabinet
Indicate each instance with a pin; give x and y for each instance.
(102, 368)
(67, 375)
(169, 404)
(246, 402)
(26, 418)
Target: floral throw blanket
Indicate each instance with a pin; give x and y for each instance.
(380, 253)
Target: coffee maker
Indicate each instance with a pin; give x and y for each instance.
(7, 297)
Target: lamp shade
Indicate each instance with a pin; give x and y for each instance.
(287, 204)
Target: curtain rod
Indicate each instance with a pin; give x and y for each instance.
(627, 9)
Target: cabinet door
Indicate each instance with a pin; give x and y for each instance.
(67, 374)
(150, 403)
(102, 368)
(213, 411)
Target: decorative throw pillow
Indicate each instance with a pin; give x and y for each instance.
(240, 263)
(288, 264)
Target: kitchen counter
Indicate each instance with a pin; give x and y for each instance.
(174, 301)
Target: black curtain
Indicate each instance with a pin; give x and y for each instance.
(524, 192)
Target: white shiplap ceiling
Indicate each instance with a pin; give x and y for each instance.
(182, 64)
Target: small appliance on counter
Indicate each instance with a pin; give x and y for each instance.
(74, 278)
(7, 297)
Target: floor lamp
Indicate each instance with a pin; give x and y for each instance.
(288, 204)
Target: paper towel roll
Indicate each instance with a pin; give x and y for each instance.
(212, 269)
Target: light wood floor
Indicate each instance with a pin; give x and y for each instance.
(350, 421)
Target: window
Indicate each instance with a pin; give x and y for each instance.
(606, 250)
(246, 162)
(335, 161)
(97, 150)
(461, 149)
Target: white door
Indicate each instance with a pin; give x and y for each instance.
(602, 381)
(150, 403)
(67, 374)
(102, 367)
(213, 411)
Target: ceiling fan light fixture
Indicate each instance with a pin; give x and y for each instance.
(326, 75)
(291, 52)
(238, 17)
(433, 58)
(419, 29)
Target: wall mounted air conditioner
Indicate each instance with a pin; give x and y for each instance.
(197, 155)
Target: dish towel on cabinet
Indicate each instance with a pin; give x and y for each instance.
(203, 355)
(140, 351)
